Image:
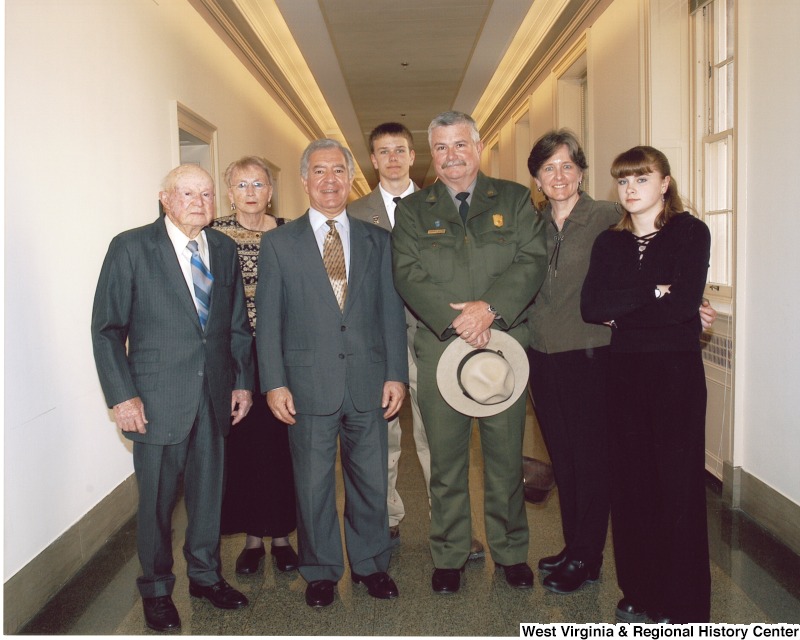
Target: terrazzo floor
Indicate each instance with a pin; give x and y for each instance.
(754, 579)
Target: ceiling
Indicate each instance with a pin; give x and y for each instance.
(342, 67)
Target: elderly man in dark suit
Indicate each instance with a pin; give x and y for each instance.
(173, 353)
(331, 341)
(469, 255)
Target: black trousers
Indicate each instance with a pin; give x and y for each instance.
(569, 396)
(658, 506)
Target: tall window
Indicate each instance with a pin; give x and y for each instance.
(714, 131)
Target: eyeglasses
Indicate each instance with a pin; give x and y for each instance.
(258, 186)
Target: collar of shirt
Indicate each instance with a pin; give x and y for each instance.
(470, 190)
(388, 199)
(319, 224)
(179, 241)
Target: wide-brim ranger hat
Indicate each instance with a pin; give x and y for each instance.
(483, 382)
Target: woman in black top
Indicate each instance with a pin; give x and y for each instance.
(646, 279)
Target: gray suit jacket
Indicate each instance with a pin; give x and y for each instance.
(142, 301)
(370, 208)
(305, 342)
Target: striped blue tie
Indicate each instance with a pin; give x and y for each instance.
(202, 279)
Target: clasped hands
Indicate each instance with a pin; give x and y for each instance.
(472, 324)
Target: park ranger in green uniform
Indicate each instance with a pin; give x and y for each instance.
(469, 256)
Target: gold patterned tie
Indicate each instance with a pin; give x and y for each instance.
(333, 257)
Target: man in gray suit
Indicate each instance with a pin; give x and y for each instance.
(173, 353)
(332, 349)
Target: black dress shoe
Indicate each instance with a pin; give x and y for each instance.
(249, 560)
(659, 617)
(285, 558)
(551, 563)
(518, 575)
(160, 613)
(379, 585)
(571, 576)
(221, 595)
(446, 580)
(319, 593)
(629, 611)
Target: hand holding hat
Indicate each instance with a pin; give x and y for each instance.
(483, 382)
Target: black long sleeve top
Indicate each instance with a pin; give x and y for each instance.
(621, 287)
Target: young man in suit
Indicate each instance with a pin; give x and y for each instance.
(173, 353)
(469, 255)
(392, 153)
(332, 356)
(391, 148)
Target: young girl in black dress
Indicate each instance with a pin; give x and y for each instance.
(646, 280)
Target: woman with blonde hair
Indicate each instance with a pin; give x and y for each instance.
(259, 495)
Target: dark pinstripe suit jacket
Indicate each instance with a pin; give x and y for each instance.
(142, 300)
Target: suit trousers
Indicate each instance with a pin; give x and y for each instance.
(362, 441)
(569, 396)
(658, 505)
(449, 438)
(395, 503)
(199, 459)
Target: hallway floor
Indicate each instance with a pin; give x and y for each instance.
(754, 579)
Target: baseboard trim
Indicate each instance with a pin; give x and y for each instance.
(28, 590)
(766, 506)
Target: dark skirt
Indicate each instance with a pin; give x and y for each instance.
(259, 494)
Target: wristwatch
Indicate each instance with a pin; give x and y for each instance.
(492, 310)
(658, 293)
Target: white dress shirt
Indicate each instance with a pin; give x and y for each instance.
(388, 200)
(179, 241)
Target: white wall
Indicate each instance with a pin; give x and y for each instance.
(88, 140)
(615, 84)
(768, 349)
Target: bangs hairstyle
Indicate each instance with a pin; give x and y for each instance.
(640, 161)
